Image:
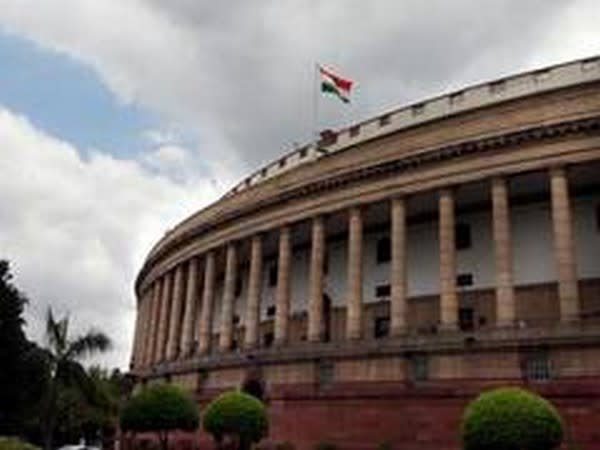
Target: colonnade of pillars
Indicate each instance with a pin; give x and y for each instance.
(172, 323)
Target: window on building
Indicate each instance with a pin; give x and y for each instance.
(268, 339)
(325, 373)
(382, 327)
(236, 319)
(326, 263)
(273, 274)
(418, 367)
(537, 366)
(383, 290)
(464, 279)
(463, 236)
(271, 311)
(384, 250)
(466, 319)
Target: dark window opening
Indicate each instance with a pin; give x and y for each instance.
(464, 279)
(419, 367)
(382, 327)
(254, 387)
(268, 339)
(326, 263)
(325, 374)
(466, 319)
(598, 217)
(537, 366)
(383, 290)
(302, 152)
(354, 130)
(271, 311)
(234, 344)
(273, 275)
(463, 236)
(236, 319)
(384, 250)
(238, 286)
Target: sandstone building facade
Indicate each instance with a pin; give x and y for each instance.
(369, 287)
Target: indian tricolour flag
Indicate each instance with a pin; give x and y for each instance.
(334, 84)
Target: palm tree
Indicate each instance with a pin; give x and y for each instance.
(64, 355)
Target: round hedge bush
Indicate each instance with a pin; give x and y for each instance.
(511, 419)
(160, 407)
(235, 413)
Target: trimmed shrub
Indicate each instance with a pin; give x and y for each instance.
(238, 416)
(160, 408)
(8, 443)
(511, 419)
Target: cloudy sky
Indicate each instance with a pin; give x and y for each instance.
(120, 117)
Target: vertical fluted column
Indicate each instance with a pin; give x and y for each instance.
(564, 248)
(254, 293)
(225, 336)
(205, 327)
(505, 298)
(143, 326)
(282, 293)
(448, 297)
(154, 318)
(315, 295)
(191, 294)
(175, 314)
(163, 324)
(354, 281)
(398, 303)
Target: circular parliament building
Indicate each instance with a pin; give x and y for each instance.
(369, 286)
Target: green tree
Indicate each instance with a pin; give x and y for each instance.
(511, 419)
(64, 356)
(22, 363)
(236, 417)
(160, 408)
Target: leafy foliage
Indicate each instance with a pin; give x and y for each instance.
(15, 444)
(511, 419)
(160, 408)
(66, 371)
(22, 362)
(236, 414)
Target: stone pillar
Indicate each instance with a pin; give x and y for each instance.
(398, 303)
(205, 326)
(150, 357)
(254, 293)
(505, 298)
(163, 323)
(564, 248)
(143, 327)
(175, 314)
(282, 293)
(354, 281)
(448, 297)
(315, 295)
(225, 336)
(191, 295)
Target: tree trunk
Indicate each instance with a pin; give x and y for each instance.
(50, 419)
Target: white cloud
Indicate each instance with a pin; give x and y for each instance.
(77, 231)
